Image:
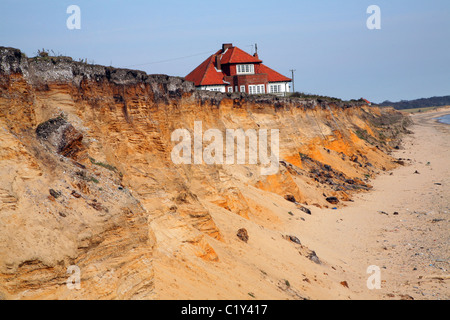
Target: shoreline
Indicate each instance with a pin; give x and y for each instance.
(401, 226)
(440, 119)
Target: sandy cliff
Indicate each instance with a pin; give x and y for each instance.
(87, 179)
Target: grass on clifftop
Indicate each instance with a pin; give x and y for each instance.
(319, 97)
(50, 55)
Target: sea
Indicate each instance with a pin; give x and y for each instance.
(445, 119)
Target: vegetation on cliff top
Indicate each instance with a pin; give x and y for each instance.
(45, 58)
(311, 96)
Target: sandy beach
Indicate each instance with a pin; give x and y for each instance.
(401, 226)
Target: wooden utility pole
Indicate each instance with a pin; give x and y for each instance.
(293, 84)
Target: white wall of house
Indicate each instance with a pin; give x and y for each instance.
(212, 88)
(279, 88)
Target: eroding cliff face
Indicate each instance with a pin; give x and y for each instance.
(88, 180)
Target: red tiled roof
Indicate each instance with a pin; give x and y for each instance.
(273, 75)
(236, 55)
(206, 74)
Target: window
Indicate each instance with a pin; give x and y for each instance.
(230, 89)
(260, 89)
(243, 89)
(245, 68)
(256, 89)
(275, 88)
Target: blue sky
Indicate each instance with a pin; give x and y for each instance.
(326, 41)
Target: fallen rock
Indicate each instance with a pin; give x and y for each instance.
(290, 198)
(98, 206)
(333, 200)
(305, 210)
(54, 194)
(243, 235)
(344, 284)
(76, 194)
(61, 136)
(313, 257)
(294, 239)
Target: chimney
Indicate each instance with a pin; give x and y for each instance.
(256, 51)
(226, 46)
(218, 63)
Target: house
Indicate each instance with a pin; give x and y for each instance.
(367, 101)
(233, 70)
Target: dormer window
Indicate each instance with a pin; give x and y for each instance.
(245, 69)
